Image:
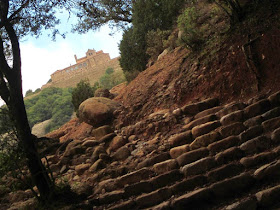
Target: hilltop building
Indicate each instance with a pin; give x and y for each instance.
(92, 66)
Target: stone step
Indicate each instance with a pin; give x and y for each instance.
(268, 197)
(194, 108)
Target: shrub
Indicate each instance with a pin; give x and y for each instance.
(51, 103)
(81, 92)
(156, 40)
(190, 32)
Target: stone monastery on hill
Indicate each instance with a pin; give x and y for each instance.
(92, 67)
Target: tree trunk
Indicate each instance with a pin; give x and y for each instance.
(38, 172)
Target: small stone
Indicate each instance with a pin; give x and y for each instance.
(101, 131)
(122, 153)
(80, 169)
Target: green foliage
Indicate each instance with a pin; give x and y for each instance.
(109, 70)
(156, 42)
(191, 34)
(28, 93)
(111, 79)
(147, 15)
(94, 14)
(51, 103)
(81, 92)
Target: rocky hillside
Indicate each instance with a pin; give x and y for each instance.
(214, 157)
(224, 71)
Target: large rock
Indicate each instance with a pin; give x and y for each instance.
(97, 111)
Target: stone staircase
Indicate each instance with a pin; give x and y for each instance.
(223, 157)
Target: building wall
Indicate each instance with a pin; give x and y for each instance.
(93, 66)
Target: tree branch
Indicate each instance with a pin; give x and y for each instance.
(15, 48)
(3, 62)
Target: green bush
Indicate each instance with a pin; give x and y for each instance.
(156, 40)
(51, 103)
(187, 23)
(111, 79)
(81, 92)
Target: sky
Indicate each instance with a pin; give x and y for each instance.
(41, 56)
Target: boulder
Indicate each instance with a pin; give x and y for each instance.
(97, 111)
(101, 92)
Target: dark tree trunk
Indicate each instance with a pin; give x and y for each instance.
(11, 92)
(38, 172)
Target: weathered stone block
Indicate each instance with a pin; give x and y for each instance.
(205, 140)
(111, 197)
(138, 188)
(180, 139)
(199, 166)
(191, 109)
(269, 196)
(247, 204)
(177, 151)
(224, 172)
(192, 156)
(150, 199)
(275, 99)
(257, 159)
(233, 117)
(130, 204)
(205, 128)
(257, 144)
(231, 186)
(151, 161)
(200, 121)
(167, 165)
(275, 136)
(232, 130)
(271, 113)
(208, 112)
(257, 108)
(272, 124)
(223, 144)
(253, 121)
(188, 184)
(230, 108)
(166, 178)
(270, 170)
(230, 154)
(251, 133)
(193, 200)
(133, 177)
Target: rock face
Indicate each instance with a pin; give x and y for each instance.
(97, 111)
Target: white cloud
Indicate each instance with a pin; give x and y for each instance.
(39, 63)
(42, 57)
